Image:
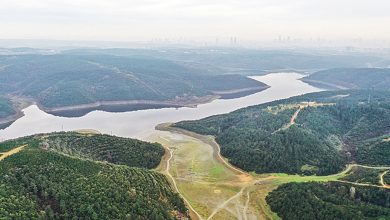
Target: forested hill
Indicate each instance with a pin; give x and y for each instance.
(316, 133)
(329, 201)
(249, 61)
(54, 176)
(61, 80)
(117, 150)
(351, 78)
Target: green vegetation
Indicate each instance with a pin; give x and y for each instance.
(11, 144)
(330, 200)
(6, 108)
(65, 79)
(43, 182)
(248, 61)
(376, 151)
(364, 175)
(204, 180)
(386, 178)
(106, 148)
(331, 129)
(352, 78)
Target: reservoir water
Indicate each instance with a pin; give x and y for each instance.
(140, 124)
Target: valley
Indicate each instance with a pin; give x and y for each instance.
(127, 83)
(210, 184)
(194, 110)
(214, 189)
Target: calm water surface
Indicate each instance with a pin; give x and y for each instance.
(140, 124)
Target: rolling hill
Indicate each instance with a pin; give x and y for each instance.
(249, 61)
(56, 176)
(333, 200)
(61, 83)
(351, 78)
(311, 134)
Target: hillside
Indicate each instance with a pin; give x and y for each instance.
(65, 81)
(326, 201)
(316, 133)
(249, 61)
(351, 78)
(6, 109)
(46, 181)
(106, 148)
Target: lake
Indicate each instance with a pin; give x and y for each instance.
(140, 124)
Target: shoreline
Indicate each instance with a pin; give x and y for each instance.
(124, 105)
(164, 166)
(238, 91)
(5, 122)
(191, 102)
(18, 104)
(263, 183)
(208, 139)
(323, 85)
(171, 103)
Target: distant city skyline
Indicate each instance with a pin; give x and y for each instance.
(347, 22)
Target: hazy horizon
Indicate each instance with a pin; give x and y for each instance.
(304, 22)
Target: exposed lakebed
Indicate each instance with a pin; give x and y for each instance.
(140, 124)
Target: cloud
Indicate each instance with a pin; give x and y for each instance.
(145, 19)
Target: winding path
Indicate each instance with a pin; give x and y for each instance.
(243, 213)
(175, 185)
(384, 184)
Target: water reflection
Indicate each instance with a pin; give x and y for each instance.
(140, 124)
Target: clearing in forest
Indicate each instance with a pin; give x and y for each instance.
(299, 106)
(3, 155)
(212, 187)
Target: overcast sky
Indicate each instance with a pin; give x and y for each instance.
(129, 20)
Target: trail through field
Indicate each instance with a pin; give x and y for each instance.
(361, 184)
(215, 189)
(3, 155)
(224, 204)
(212, 188)
(168, 161)
(382, 182)
(246, 206)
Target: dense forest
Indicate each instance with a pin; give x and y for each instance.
(364, 175)
(333, 200)
(386, 178)
(351, 78)
(49, 180)
(64, 79)
(330, 129)
(106, 148)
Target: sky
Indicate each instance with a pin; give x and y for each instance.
(143, 20)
